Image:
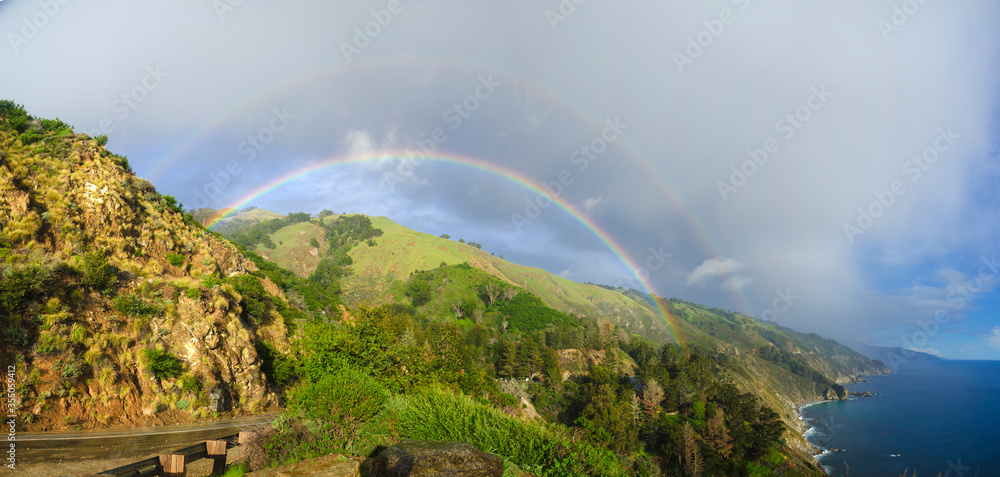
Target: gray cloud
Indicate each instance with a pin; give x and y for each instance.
(839, 103)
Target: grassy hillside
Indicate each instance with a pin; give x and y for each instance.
(400, 251)
(250, 215)
(293, 250)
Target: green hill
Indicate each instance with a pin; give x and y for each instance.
(400, 251)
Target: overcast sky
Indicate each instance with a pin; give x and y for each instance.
(830, 166)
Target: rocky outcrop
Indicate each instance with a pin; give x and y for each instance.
(435, 458)
(86, 363)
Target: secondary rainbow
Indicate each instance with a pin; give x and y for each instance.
(548, 95)
(471, 162)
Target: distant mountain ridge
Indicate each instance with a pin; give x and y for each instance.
(892, 356)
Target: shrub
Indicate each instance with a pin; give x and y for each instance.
(254, 299)
(133, 305)
(193, 293)
(419, 291)
(49, 343)
(97, 272)
(345, 394)
(18, 286)
(163, 363)
(102, 139)
(313, 242)
(182, 404)
(175, 259)
(190, 383)
(279, 369)
(70, 368)
(17, 336)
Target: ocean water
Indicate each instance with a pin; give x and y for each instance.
(933, 417)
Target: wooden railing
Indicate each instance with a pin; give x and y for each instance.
(173, 464)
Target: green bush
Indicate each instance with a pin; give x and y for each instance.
(133, 305)
(182, 404)
(175, 259)
(338, 396)
(189, 383)
(97, 272)
(20, 285)
(193, 293)
(255, 301)
(49, 344)
(279, 369)
(419, 291)
(163, 363)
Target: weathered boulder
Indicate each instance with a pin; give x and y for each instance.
(435, 458)
(327, 466)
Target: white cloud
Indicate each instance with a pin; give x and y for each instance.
(994, 337)
(359, 142)
(592, 203)
(729, 269)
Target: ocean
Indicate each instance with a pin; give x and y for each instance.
(933, 417)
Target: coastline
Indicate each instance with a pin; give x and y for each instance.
(809, 431)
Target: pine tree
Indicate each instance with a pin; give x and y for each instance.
(716, 434)
(507, 359)
(692, 458)
(651, 397)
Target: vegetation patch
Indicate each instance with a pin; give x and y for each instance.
(163, 363)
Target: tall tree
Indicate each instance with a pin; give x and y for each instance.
(692, 458)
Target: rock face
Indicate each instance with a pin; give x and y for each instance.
(435, 458)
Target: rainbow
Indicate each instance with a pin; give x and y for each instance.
(471, 162)
(332, 69)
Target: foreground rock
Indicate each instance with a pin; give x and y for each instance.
(328, 466)
(435, 458)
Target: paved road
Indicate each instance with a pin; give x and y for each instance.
(114, 444)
